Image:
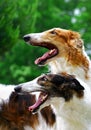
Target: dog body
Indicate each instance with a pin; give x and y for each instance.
(14, 114)
(70, 98)
(66, 52)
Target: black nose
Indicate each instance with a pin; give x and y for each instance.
(18, 89)
(26, 38)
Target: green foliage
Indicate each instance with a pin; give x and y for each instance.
(18, 18)
(18, 64)
(8, 31)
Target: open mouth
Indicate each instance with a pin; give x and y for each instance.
(53, 51)
(41, 99)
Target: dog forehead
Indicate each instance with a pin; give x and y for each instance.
(53, 79)
(46, 77)
(57, 29)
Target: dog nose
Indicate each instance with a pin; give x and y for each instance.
(26, 38)
(18, 89)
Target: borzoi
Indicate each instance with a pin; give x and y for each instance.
(69, 97)
(66, 52)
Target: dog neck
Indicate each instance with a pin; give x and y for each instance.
(81, 70)
(75, 114)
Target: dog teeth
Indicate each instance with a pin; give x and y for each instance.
(43, 98)
(51, 51)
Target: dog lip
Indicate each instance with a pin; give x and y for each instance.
(47, 45)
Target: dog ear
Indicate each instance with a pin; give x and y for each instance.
(76, 38)
(58, 80)
(76, 85)
(73, 35)
(79, 43)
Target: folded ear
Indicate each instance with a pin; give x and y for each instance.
(79, 43)
(76, 85)
(74, 35)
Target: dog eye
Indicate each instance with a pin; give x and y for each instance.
(44, 78)
(53, 32)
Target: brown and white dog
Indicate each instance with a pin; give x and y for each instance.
(14, 113)
(66, 52)
(70, 98)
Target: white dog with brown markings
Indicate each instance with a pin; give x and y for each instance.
(67, 53)
(70, 99)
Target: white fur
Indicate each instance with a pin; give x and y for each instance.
(5, 91)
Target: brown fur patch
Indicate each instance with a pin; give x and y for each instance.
(76, 58)
(14, 115)
(48, 115)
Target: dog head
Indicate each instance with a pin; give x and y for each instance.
(60, 42)
(51, 86)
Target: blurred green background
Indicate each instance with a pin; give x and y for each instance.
(18, 18)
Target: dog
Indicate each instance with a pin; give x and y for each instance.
(66, 52)
(14, 113)
(70, 99)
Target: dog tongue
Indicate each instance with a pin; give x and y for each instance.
(46, 56)
(41, 99)
(36, 105)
